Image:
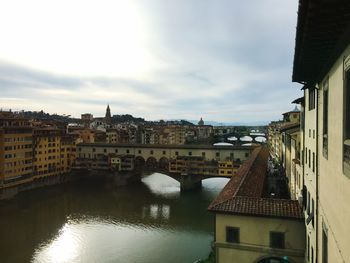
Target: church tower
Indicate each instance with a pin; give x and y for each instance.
(108, 117)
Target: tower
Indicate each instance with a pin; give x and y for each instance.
(108, 117)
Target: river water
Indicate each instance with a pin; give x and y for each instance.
(88, 222)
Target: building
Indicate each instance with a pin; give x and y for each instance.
(275, 140)
(30, 156)
(16, 153)
(250, 226)
(112, 136)
(322, 66)
(87, 119)
(54, 153)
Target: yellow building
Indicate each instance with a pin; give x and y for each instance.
(86, 135)
(54, 152)
(322, 65)
(227, 168)
(47, 150)
(16, 157)
(68, 152)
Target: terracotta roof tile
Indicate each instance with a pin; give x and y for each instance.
(281, 208)
(243, 193)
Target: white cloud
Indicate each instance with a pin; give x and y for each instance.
(221, 60)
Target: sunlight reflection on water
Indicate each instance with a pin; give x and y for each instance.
(146, 223)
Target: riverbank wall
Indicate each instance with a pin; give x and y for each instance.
(116, 179)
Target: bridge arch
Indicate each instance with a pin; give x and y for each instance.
(151, 163)
(260, 139)
(139, 162)
(246, 138)
(163, 163)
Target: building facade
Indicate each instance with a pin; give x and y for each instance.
(321, 64)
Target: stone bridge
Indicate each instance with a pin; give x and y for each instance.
(188, 164)
(255, 137)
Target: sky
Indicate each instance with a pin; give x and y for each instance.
(223, 60)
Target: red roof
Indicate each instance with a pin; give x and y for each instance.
(243, 193)
(255, 206)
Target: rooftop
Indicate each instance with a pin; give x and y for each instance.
(323, 33)
(243, 193)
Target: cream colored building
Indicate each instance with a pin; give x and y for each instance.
(236, 153)
(321, 64)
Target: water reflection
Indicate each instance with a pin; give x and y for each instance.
(64, 248)
(93, 222)
(156, 211)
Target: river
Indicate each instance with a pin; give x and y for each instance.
(88, 222)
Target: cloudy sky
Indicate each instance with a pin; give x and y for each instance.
(223, 60)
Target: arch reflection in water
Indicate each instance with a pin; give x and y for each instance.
(156, 211)
(161, 184)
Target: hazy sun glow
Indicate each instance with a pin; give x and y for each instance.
(96, 37)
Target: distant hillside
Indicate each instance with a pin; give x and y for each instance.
(126, 118)
(41, 115)
(215, 123)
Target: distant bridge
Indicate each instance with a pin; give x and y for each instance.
(256, 137)
(188, 164)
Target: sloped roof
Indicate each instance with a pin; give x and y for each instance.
(322, 34)
(243, 193)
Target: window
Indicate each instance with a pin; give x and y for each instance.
(217, 154)
(139, 151)
(308, 203)
(276, 239)
(116, 150)
(309, 158)
(151, 151)
(346, 149)
(313, 162)
(313, 212)
(190, 153)
(324, 246)
(325, 119)
(104, 150)
(176, 153)
(232, 234)
(311, 98)
(164, 152)
(304, 192)
(127, 151)
(203, 154)
(306, 155)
